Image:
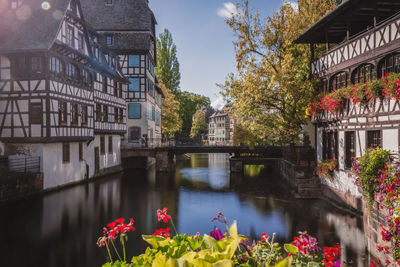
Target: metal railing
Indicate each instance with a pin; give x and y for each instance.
(21, 164)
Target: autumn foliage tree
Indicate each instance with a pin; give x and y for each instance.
(171, 121)
(199, 125)
(271, 91)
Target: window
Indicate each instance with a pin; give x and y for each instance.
(104, 84)
(105, 113)
(74, 114)
(36, 64)
(55, 65)
(72, 71)
(81, 42)
(153, 113)
(330, 145)
(109, 2)
(120, 89)
(22, 63)
(374, 139)
(115, 88)
(389, 64)
(150, 66)
(121, 115)
(102, 145)
(134, 61)
(151, 88)
(134, 133)
(109, 39)
(116, 115)
(36, 113)
(98, 112)
(338, 80)
(134, 84)
(363, 74)
(110, 145)
(350, 148)
(65, 152)
(84, 115)
(69, 35)
(86, 78)
(62, 112)
(80, 151)
(135, 110)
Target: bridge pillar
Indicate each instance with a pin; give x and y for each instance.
(165, 161)
(236, 165)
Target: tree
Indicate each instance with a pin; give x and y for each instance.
(189, 103)
(199, 125)
(171, 122)
(167, 68)
(271, 91)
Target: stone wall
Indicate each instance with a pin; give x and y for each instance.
(17, 185)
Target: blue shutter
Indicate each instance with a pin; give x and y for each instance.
(134, 84)
(135, 110)
(134, 61)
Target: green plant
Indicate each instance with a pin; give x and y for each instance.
(367, 171)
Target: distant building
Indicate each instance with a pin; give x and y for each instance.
(128, 28)
(61, 92)
(220, 129)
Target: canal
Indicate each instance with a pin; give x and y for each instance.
(61, 228)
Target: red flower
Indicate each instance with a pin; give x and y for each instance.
(162, 215)
(162, 232)
(111, 225)
(120, 221)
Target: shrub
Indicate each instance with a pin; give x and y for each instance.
(367, 171)
(326, 168)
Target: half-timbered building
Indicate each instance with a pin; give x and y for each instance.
(61, 93)
(128, 28)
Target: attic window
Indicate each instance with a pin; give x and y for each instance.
(109, 2)
(14, 4)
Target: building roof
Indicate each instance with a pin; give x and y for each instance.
(356, 15)
(30, 27)
(132, 15)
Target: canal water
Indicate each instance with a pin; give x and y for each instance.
(61, 228)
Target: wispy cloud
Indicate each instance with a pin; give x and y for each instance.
(218, 103)
(227, 11)
(294, 5)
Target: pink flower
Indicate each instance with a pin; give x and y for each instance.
(216, 234)
(162, 215)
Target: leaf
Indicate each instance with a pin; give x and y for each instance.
(284, 263)
(291, 249)
(155, 241)
(312, 264)
(223, 263)
(210, 243)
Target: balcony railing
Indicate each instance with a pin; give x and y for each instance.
(380, 36)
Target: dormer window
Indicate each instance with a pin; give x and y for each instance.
(109, 2)
(109, 39)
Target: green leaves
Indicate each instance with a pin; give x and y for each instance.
(291, 249)
(180, 251)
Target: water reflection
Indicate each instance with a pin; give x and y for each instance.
(61, 228)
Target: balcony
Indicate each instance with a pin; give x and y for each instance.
(367, 45)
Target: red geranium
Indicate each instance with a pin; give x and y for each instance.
(163, 216)
(162, 232)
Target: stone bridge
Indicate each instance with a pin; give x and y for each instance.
(164, 156)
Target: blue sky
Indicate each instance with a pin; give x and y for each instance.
(203, 40)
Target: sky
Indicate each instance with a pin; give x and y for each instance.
(203, 39)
